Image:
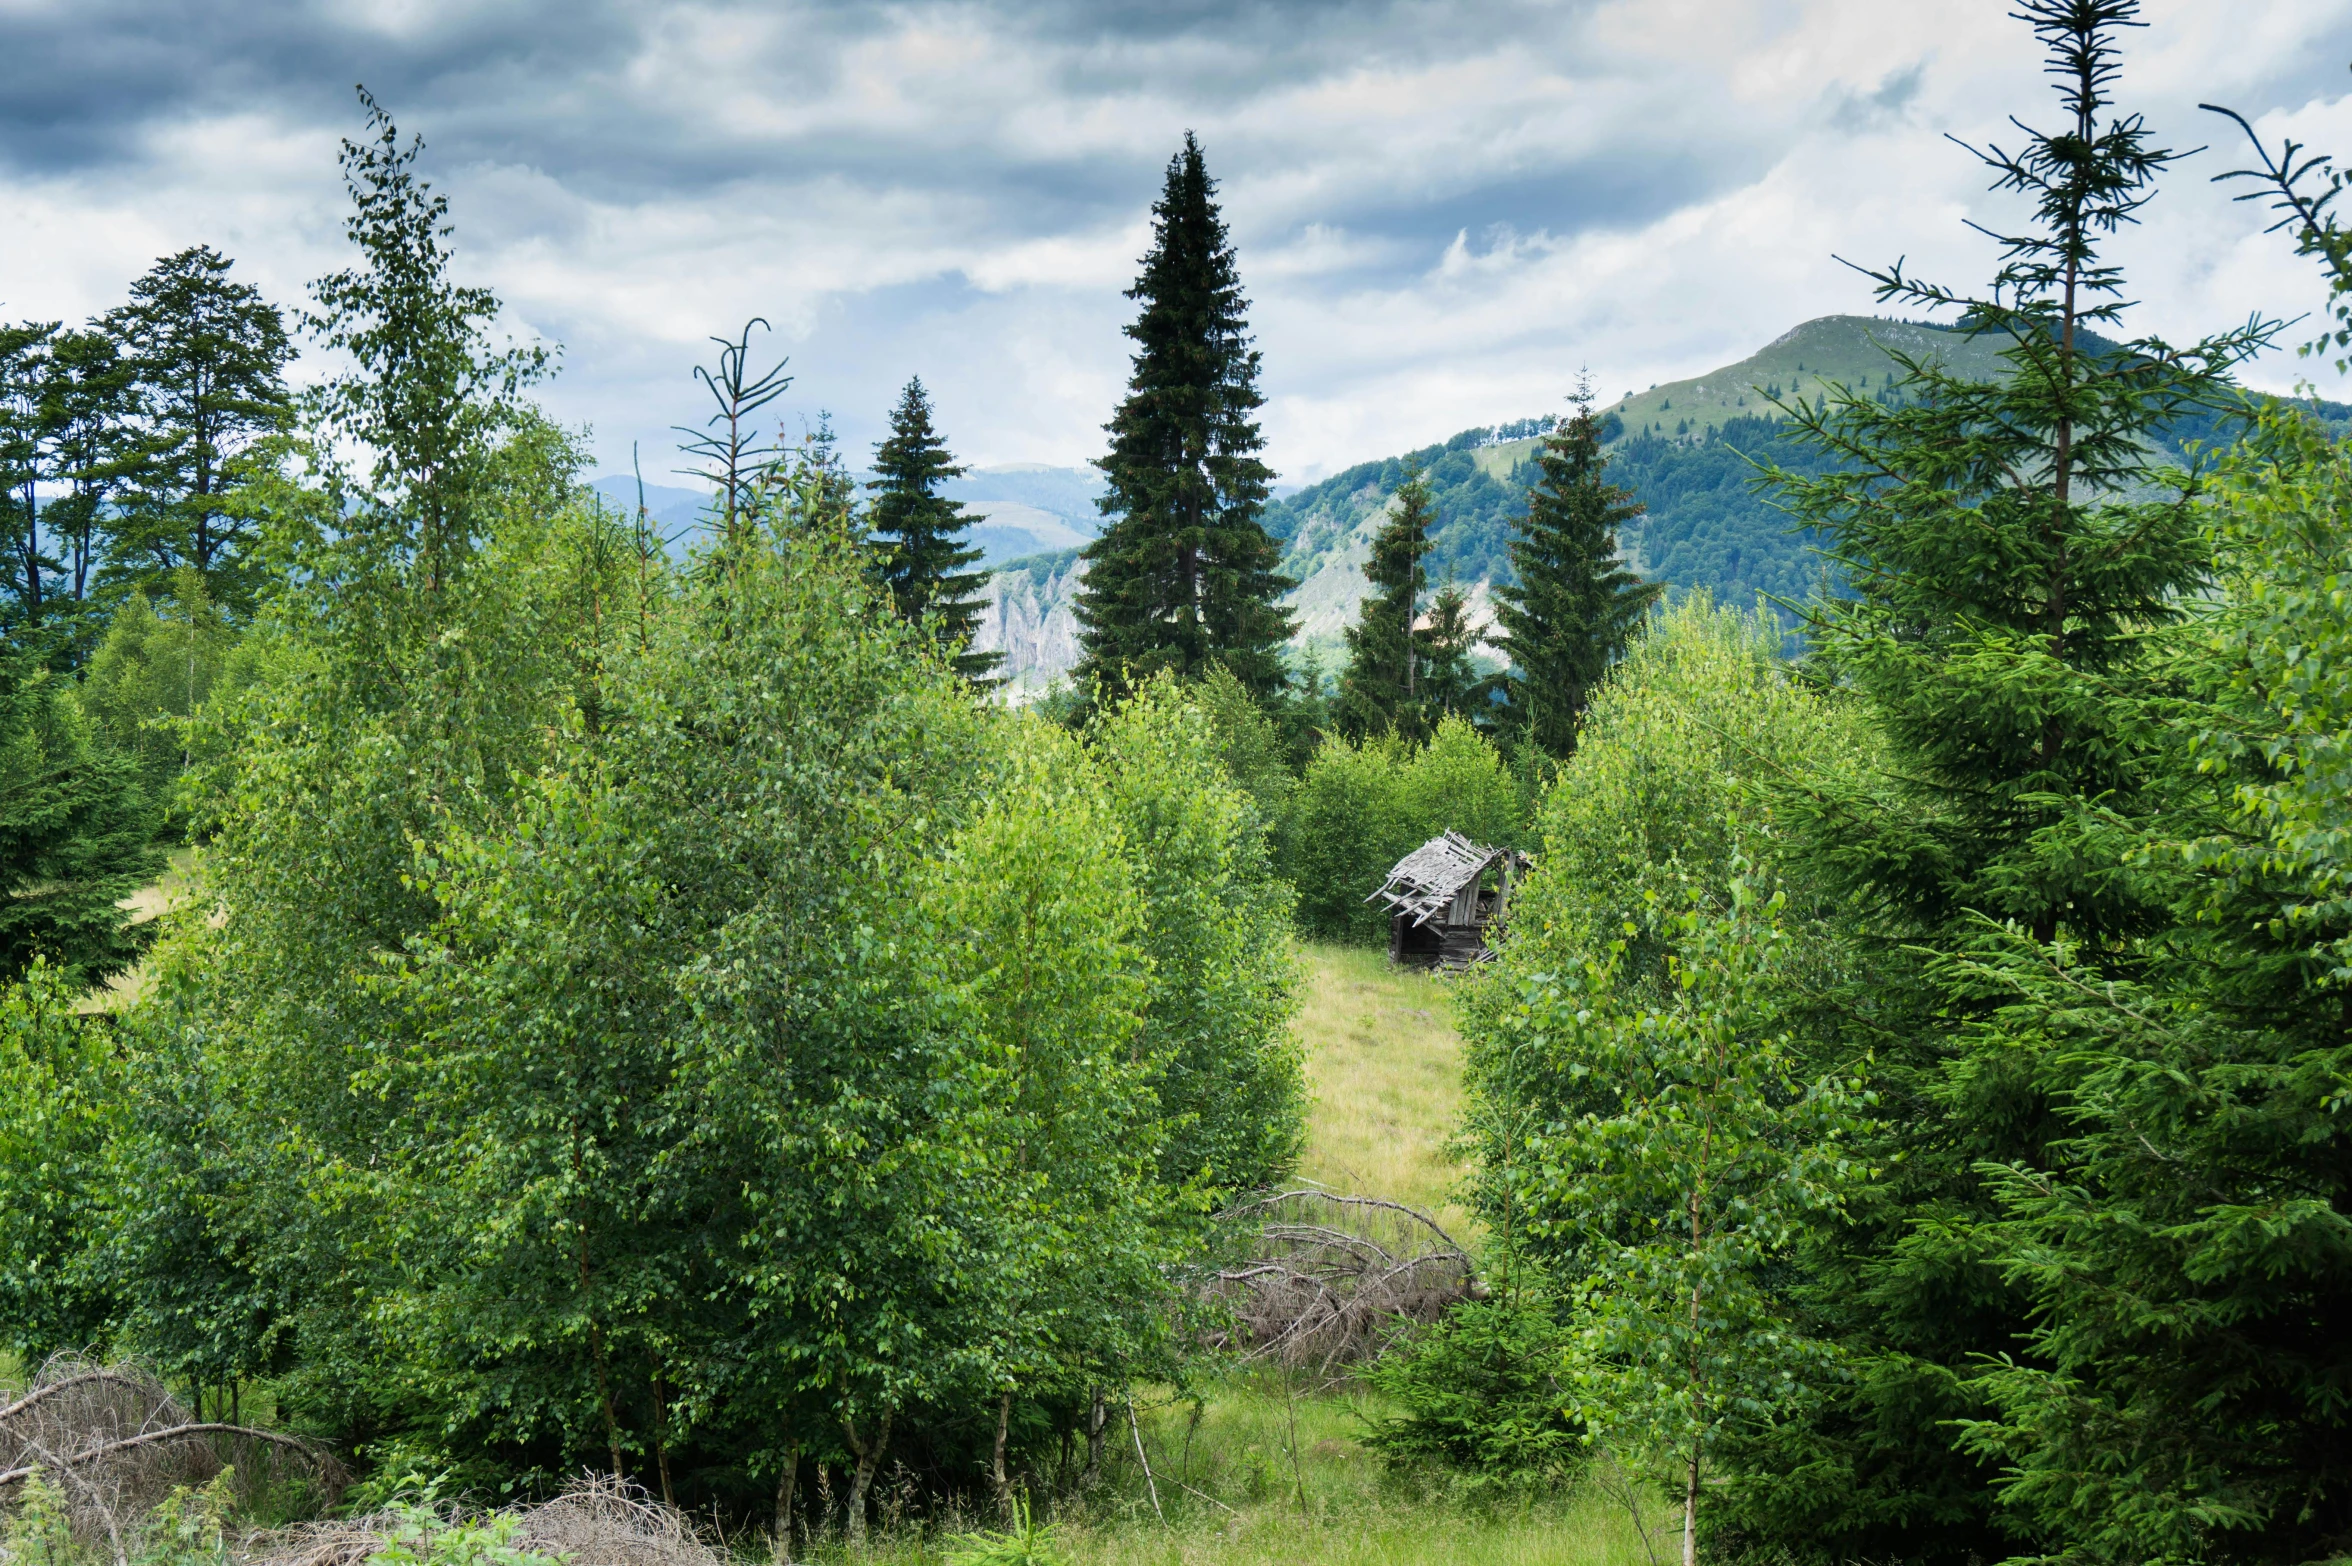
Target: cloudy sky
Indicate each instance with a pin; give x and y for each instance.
(1443, 209)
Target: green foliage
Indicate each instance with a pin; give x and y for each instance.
(154, 672)
(1571, 605)
(919, 534)
(1694, 1148)
(208, 359)
(1216, 930)
(190, 1526)
(2016, 545)
(1380, 690)
(422, 1536)
(1248, 742)
(1028, 1542)
(77, 833)
(1686, 746)
(1362, 806)
(1448, 678)
(61, 1091)
(1481, 1391)
(426, 397)
(1183, 574)
(89, 398)
(2179, 1236)
(38, 1530)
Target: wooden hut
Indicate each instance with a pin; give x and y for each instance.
(1442, 898)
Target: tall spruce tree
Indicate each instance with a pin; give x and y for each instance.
(209, 357)
(2012, 546)
(919, 536)
(1381, 689)
(1184, 574)
(1573, 605)
(24, 370)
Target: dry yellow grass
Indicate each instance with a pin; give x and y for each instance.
(1385, 1067)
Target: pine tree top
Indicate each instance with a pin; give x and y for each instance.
(1575, 604)
(1184, 573)
(920, 540)
(2005, 558)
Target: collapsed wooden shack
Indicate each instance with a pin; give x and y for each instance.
(1443, 897)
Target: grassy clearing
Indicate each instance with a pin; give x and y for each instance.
(1233, 1497)
(151, 901)
(1385, 1067)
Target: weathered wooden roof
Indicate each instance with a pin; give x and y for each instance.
(1425, 880)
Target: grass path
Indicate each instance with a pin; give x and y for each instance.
(1385, 1067)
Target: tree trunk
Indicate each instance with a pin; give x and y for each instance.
(1690, 1511)
(786, 1480)
(1096, 1418)
(661, 1438)
(996, 1472)
(869, 1458)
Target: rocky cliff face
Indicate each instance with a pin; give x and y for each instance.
(1031, 617)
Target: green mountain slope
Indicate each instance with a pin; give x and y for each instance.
(1689, 451)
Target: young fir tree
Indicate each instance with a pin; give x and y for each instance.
(209, 358)
(1449, 682)
(1184, 574)
(1381, 689)
(1573, 605)
(2011, 545)
(919, 536)
(77, 834)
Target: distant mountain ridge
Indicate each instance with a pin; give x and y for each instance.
(1019, 508)
(1689, 450)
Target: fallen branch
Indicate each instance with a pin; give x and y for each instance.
(150, 1438)
(1326, 1277)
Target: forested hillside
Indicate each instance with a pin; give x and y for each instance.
(1691, 452)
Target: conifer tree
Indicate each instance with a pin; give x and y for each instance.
(919, 535)
(208, 357)
(1449, 684)
(24, 368)
(1574, 605)
(2014, 546)
(93, 450)
(1381, 689)
(1184, 574)
(77, 834)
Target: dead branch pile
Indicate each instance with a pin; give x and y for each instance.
(597, 1521)
(1322, 1281)
(113, 1442)
(603, 1521)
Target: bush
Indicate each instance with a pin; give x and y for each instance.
(1480, 1392)
(1363, 805)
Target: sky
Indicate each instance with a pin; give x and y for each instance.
(1444, 210)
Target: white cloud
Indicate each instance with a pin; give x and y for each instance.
(1444, 209)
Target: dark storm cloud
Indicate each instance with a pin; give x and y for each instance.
(554, 86)
(1439, 203)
